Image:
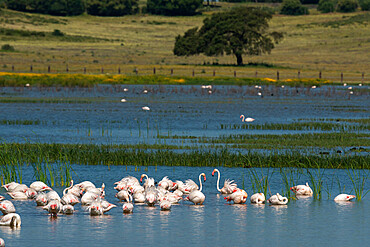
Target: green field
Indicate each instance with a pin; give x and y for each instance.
(333, 43)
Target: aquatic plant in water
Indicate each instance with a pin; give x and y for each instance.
(358, 179)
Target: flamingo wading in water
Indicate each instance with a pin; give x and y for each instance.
(229, 186)
(196, 196)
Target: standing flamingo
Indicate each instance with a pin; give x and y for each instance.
(196, 196)
(229, 186)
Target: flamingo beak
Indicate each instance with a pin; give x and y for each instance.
(174, 184)
(141, 179)
(213, 173)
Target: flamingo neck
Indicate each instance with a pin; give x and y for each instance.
(65, 191)
(200, 183)
(218, 180)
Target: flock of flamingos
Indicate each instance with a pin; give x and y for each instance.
(165, 193)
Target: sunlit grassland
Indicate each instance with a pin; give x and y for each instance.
(82, 80)
(145, 41)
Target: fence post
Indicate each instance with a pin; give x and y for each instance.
(320, 74)
(13, 71)
(256, 74)
(154, 71)
(84, 70)
(119, 70)
(67, 70)
(49, 69)
(136, 71)
(214, 72)
(341, 77)
(234, 73)
(299, 74)
(277, 75)
(171, 71)
(31, 68)
(102, 70)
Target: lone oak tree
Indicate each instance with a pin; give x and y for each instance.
(241, 31)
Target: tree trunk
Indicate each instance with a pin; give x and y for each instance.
(239, 59)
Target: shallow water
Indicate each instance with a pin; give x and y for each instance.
(304, 222)
(97, 115)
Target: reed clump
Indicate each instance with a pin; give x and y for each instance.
(90, 154)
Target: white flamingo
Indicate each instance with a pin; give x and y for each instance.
(196, 196)
(7, 207)
(229, 186)
(41, 199)
(67, 209)
(53, 207)
(238, 197)
(258, 198)
(277, 200)
(12, 219)
(39, 186)
(18, 195)
(344, 197)
(165, 205)
(248, 119)
(10, 186)
(302, 190)
(128, 207)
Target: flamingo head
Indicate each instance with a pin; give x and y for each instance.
(204, 175)
(141, 178)
(241, 116)
(292, 188)
(46, 188)
(350, 197)
(53, 206)
(213, 173)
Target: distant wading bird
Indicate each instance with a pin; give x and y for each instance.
(248, 119)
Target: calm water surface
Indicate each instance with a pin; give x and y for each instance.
(97, 116)
(304, 222)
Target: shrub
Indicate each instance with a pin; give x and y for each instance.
(174, 7)
(365, 5)
(7, 47)
(326, 6)
(57, 32)
(293, 7)
(346, 6)
(111, 7)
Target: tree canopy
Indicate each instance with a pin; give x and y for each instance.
(173, 7)
(241, 31)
